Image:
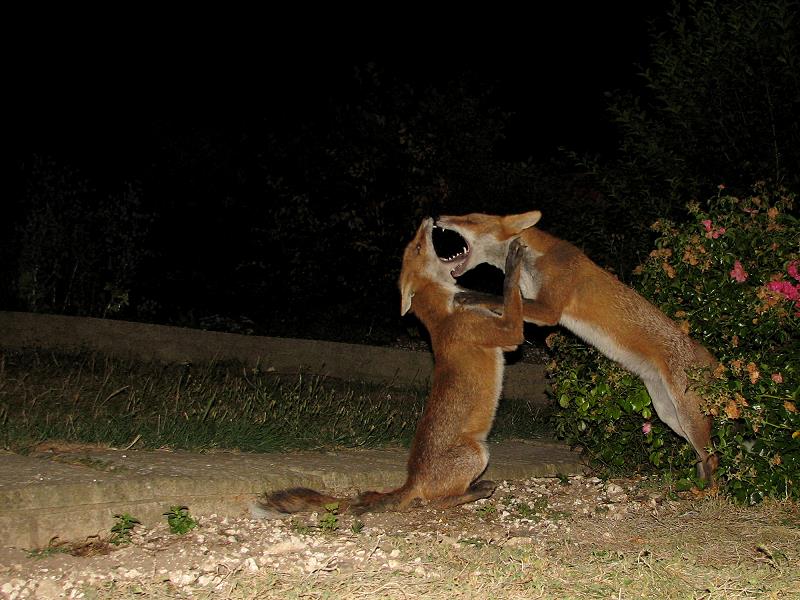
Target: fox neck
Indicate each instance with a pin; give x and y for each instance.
(432, 301)
(493, 254)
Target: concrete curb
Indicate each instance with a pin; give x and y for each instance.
(164, 343)
(74, 494)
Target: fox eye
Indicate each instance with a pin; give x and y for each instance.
(419, 248)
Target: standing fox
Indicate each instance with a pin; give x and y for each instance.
(449, 452)
(562, 286)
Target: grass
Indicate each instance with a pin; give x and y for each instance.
(92, 398)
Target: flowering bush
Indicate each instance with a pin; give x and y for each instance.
(731, 277)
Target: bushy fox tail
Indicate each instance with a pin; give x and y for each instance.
(294, 500)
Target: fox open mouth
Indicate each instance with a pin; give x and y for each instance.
(450, 247)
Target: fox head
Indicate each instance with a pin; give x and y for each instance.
(483, 238)
(421, 266)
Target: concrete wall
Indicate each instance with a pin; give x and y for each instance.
(284, 355)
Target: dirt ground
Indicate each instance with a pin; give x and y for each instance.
(538, 538)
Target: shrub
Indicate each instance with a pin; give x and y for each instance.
(731, 277)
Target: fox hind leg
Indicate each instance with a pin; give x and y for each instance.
(680, 410)
(698, 430)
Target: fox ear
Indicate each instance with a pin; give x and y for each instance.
(406, 294)
(517, 223)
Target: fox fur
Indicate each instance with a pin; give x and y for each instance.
(448, 453)
(562, 286)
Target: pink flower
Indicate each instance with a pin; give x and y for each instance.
(646, 427)
(792, 270)
(711, 231)
(738, 272)
(777, 378)
(785, 289)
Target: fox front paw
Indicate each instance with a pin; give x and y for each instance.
(471, 298)
(515, 256)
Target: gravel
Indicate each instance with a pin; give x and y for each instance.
(223, 551)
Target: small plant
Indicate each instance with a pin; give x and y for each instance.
(524, 510)
(357, 526)
(529, 512)
(179, 520)
(54, 546)
(300, 527)
(486, 510)
(330, 520)
(123, 529)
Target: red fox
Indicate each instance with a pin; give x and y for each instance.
(560, 285)
(448, 453)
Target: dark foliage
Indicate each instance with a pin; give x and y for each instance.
(720, 104)
(254, 222)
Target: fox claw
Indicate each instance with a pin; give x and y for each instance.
(514, 258)
(516, 252)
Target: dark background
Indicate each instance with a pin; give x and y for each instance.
(94, 97)
(261, 173)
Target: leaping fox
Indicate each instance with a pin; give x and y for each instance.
(562, 286)
(448, 453)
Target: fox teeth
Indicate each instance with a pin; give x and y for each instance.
(455, 256)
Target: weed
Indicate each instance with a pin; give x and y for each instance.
(300, 527)
(486, 510)
(525, 511)
(532, 513)
(179, 520)
(54, 546)
(330, 520)
(357, 526)
(123, 528)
